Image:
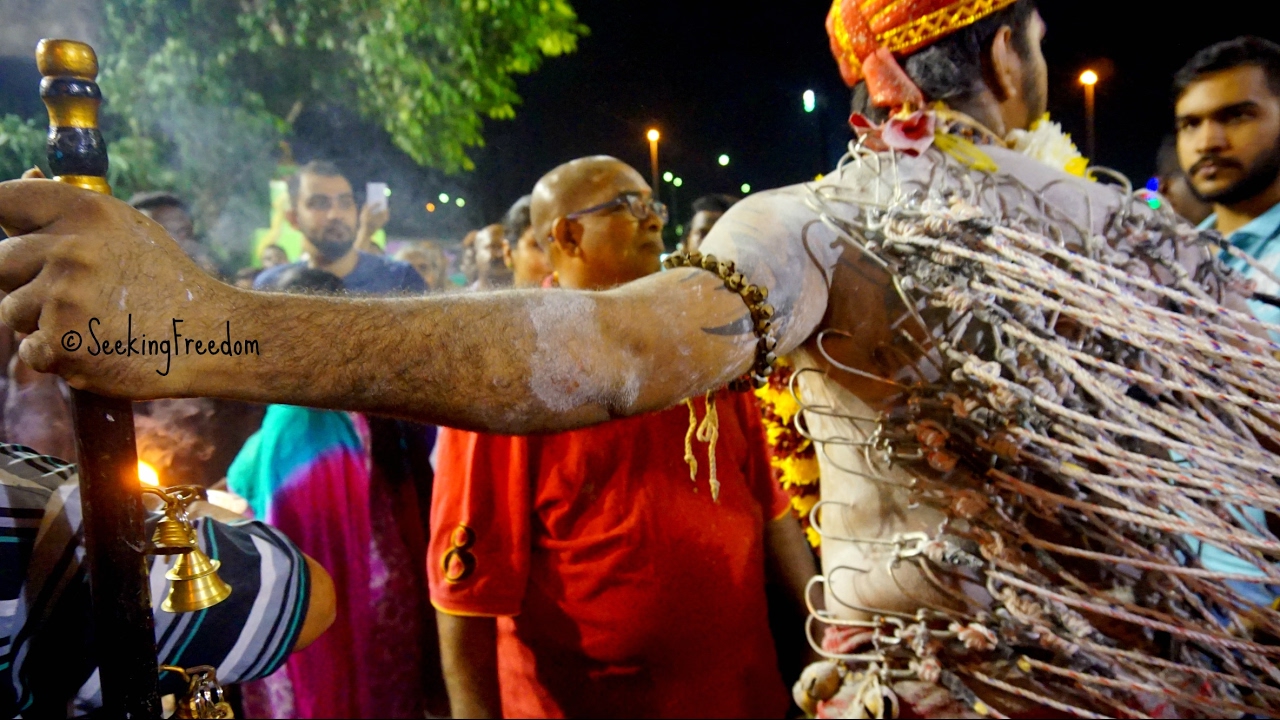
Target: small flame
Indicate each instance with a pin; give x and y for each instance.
(148, 475)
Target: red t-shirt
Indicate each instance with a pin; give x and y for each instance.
(621, 588)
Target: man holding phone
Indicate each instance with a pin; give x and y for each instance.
(323, 209)
(373, 217)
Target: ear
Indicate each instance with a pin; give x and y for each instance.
(292, 216)
(506, 254)
(1006, 66)
(567, 235)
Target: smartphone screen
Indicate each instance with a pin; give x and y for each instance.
(377, 193)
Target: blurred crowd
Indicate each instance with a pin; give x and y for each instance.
(515, 628)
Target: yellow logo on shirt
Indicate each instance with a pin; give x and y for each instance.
(458, 563)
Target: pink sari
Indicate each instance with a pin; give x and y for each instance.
(308, 473)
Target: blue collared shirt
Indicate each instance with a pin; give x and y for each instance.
(1261, 240)
(372, 275)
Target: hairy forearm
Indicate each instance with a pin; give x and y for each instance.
(544, 360)
(82, 268)
(510, 362)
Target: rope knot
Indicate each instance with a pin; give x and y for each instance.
(708, 432)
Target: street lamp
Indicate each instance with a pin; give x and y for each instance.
(653, 136)
(1089, 79)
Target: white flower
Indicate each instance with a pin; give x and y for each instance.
(1047, 143)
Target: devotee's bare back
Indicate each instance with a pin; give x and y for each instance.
(860, 353)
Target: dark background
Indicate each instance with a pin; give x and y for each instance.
(724, 78)
(716, 78)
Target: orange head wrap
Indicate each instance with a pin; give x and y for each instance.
(866, 34)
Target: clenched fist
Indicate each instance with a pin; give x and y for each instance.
(111, 303)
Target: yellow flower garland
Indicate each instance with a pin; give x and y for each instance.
(790, 453)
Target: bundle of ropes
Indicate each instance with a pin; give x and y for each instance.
(1092, 419)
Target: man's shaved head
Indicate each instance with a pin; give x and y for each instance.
(602, 248)
(580, 184)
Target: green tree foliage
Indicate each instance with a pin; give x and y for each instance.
(135, 162)
(200, 93)
(428, 70)
(22, 144)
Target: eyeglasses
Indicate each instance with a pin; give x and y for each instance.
(642, 208)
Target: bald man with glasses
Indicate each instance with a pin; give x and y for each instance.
(583, 573)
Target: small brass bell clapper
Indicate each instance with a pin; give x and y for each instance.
(204, 698)
(194, 582)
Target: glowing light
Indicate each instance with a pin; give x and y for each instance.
(810, 101)
(387, 192)
(819, 176)
(653, 135)
(1088, 77)
(147, 475)
(1153, 184)
(431, 207)
(667, 176)
(746, 188)
(444, 198)
(723, 160)
(1153, 203)
(677, 182)
(679, 229)
(460, 202)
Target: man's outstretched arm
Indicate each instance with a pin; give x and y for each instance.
(85, 271)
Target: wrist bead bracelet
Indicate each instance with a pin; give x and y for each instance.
(761, 312)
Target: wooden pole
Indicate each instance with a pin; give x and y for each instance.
(110, 493)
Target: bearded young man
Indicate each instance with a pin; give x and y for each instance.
(1026, 389)
(1227, 115)
(323, 209)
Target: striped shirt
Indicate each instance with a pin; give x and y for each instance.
(47, 664)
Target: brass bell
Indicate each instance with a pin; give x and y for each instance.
(172, 536)
(195, 584)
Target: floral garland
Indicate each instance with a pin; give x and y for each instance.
(959, 135)
(1047, 142)
(792, 456)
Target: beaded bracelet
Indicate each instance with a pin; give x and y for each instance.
(761, 312)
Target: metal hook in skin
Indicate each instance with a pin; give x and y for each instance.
(899, 541)
(822, 336)
(823, 615)
(892, 617)
(826, 410)
(879, 480)
(855, 658)
(802, 429)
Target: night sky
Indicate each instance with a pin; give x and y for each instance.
(720, 78)
(716, 79)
